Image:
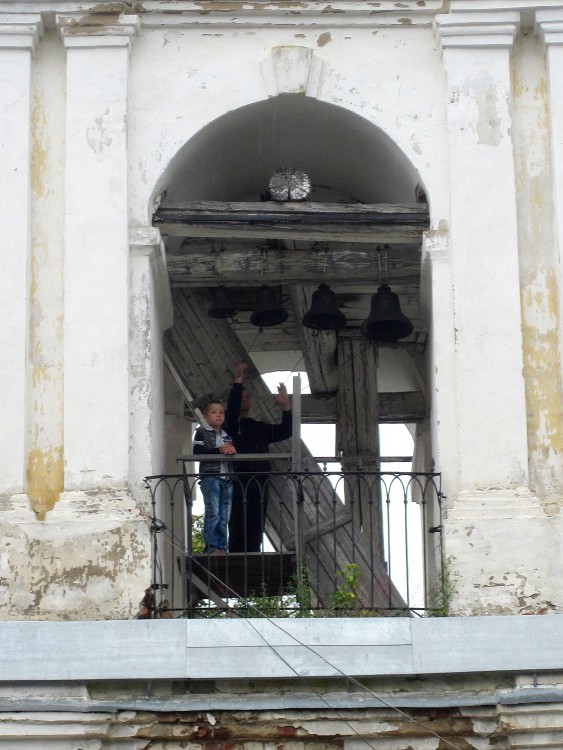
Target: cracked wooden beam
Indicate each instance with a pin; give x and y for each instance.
(394, 408)
(203, 263)
(371, 223)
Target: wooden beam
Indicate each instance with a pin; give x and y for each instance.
(250, 265)
(357, 433)
(394, 408)
(357, 399)
(360, 222)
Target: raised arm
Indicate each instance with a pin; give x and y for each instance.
(232, 414)
(284, 429)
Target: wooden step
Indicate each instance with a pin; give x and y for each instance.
(239, 574)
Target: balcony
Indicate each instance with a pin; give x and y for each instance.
(340, 539)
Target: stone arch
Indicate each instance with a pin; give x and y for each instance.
(348, 158)
(233, 156)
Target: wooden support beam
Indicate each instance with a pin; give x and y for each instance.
(357, 433)
(238, 264)
(360, 222)
(357, 400)
(394, 408)
(405, 407)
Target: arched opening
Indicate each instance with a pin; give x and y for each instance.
(361, 225)
(349, 161)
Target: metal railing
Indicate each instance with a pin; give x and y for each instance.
(339, 539)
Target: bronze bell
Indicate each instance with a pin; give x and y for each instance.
(268, 310)
(221, 306)
(386, 322)
(324, 315)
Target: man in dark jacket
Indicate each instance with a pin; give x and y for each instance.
(250, 491)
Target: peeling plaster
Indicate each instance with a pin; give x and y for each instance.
(538, 277)
(324, 39)
(45, 471)
(88, 560)
(97, 136)
(44, 461)
(488, 124)
(39, 124)
(235, 7)
(542, 364)
(105, 15)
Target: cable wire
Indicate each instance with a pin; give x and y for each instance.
(177, 546)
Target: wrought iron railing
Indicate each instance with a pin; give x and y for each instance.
(342, 540)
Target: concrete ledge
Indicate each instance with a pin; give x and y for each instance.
(279, 648)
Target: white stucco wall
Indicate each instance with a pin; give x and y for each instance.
(221, 70)
(98, 115)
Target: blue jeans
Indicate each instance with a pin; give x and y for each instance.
(217, 499)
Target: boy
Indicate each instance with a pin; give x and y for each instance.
(215, 479)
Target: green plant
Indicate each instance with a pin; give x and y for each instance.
(198, 545)
(299, 594)
(261, 605)
(346, 593)
(297, 601)
(440, 595)
(206, 609)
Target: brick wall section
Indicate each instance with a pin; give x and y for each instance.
(307, 730)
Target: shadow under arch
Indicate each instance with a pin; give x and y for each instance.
(233, 157)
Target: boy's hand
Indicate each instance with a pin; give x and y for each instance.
(228, 449)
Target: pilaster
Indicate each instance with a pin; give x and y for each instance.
(18, 37)
(549, 24)
(96, 383)
(484, 248)
(493, 525)
(546, 720)
(436, 295)
(150, 314)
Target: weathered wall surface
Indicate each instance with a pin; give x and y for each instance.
(81, 396)
(101, 104)
(220, 70)
(386, 682)
(86, 560)
(538, 255)
(497, 528)
(345, 729)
